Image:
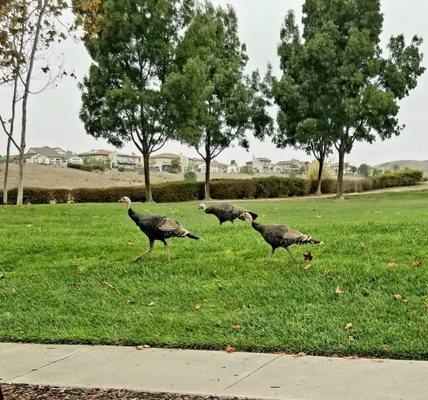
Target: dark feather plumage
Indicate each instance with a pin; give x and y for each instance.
(282, 236)
(229, 212)
(157, 227)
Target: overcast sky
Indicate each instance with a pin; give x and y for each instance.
(54, 121)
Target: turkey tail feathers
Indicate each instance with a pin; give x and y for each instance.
(191, 236)
(254, 216)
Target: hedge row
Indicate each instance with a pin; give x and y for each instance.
(268, 187)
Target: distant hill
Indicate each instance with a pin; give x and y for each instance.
(413, 164)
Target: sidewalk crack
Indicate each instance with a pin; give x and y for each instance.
(248, 375)
(49, 363)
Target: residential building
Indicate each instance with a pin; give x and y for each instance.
(162, 161)
(104, 157)
(128, 161)
(47, 156)
(233, 169)
(261, 165)
(289, 167)
(347, 169)
(75, 159)
(216, 167)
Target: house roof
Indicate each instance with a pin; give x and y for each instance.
(166, 155)
(128, 155)
(96, 153)
(215, 163)
(291, 162)
(263, 159)
(48, 152)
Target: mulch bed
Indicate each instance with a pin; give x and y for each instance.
(30, 392)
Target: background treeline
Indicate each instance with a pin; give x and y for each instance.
(270, 187)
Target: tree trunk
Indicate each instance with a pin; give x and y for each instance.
(207, 178)
(339, 191)
(146, 158)
(320, 171)
(6, 171)
(42, 9)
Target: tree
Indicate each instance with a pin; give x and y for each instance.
(364, 170)
(27, 29)
(175, 165)
(132, 44)
(211, 101)
(364, 87)
(302, 93)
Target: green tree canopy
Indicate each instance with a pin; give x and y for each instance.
(132, 44)
(337, 87)
(302, 93)
(364, 86)
(212, 102)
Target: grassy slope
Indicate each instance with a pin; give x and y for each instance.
(68, 278)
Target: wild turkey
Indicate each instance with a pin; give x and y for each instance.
(156, 227)
(228, 212)
(281, 236)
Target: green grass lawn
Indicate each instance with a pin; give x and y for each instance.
(66, 275)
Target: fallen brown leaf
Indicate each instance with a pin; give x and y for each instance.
(229, 349)
(107, 284)
(235, 325)
(301, 354)
(198, 307)
(392, 265)
(327, 272)
(307, 267)
(143, 346)
(350, 338)
(308, 256)
(416, 263)
(348, 325)
(339, 290)
(398, 296)
(151, 304)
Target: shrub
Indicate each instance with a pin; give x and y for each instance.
(230, 189)
(39, 196)
(312, 172)
(107, 195)
(190, 176)
(175, 191)
(87, 167)
(274, 186)
(407, 177)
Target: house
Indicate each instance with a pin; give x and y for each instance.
(289, 167)
(75, 159)
(233, 169)
(261, 165)
(347, 169)
(47, 156)
(128, 161)
(216, 167)
(104, 157)
(162, 161)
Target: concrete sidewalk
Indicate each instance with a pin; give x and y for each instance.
(255, 375)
